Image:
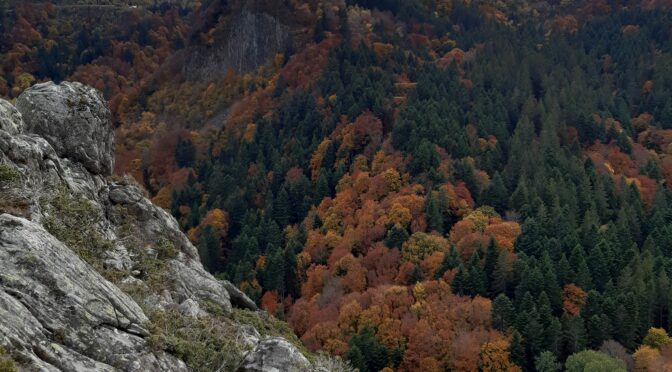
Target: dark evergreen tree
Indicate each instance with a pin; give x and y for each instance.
(322, 188)
(490, 265)
(281, 208)
(434, 215)
(450, 261)
(573, 335)
(185, 153)
(496, 195)
(502, 313)
(209, 249)
(517, 350)
(396, 236)
(376, 356)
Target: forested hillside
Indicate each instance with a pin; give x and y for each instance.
(411, 184)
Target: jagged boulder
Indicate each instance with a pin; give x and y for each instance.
(194, 282)
(190, 308)
(11, 120)
(187, 276)
(54, 305)
(275, 354)
(74, 119)
(238, 298)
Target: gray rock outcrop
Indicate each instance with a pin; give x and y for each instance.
(65, 114)
(56, 309)
(190, 308)
(86, 260)
(275, 355)
(250, 41)
(11, 120)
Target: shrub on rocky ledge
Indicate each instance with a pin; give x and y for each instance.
(204, 344)
(6, 364)
(8, 174)
(73, 221)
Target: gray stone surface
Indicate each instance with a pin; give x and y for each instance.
(190, 282)
(251, 41)
(11, 120)
(190, 308)
(56, 308)
(74, 119)
(238, 298)
(275, 354)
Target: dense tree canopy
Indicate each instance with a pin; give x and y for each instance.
(415, 185)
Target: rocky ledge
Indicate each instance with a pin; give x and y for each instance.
(93, 276)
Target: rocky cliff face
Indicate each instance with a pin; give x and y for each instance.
(93, 276)
(249, 41)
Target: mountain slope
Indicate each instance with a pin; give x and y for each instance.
(412, 184)
(94, 276)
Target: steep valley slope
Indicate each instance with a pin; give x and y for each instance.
(93, 276)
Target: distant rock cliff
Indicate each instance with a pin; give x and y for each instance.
(254, 39)
(93, 276)
(247, 42)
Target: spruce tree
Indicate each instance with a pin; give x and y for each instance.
(564, 271)
(533, 334)
(496, 195)
(281, 208)
(490, 264)
(450, 261)
(573, 335)
(551, 286)
(577, 260)
(596, 330)
(356, 358)
(517, 349)
(502, 313)
(459, 283)
(475, 280)
(184, 153)
(194, 216)
(374, 355)
(208, 248)
(552, 336)
(520, 196)
(396, 236)
(434, 215)
(500, 276)
(546, 362)
(322, 189)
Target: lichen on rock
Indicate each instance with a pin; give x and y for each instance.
(11, 120)
(275, 355)
(74, 119)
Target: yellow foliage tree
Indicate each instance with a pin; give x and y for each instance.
(392, 180)
(646, 358)
(318, 156)
(657, 338)
(400, 215)
(421, 245)
(495, 357)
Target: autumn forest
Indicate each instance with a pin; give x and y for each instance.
(412, 185)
